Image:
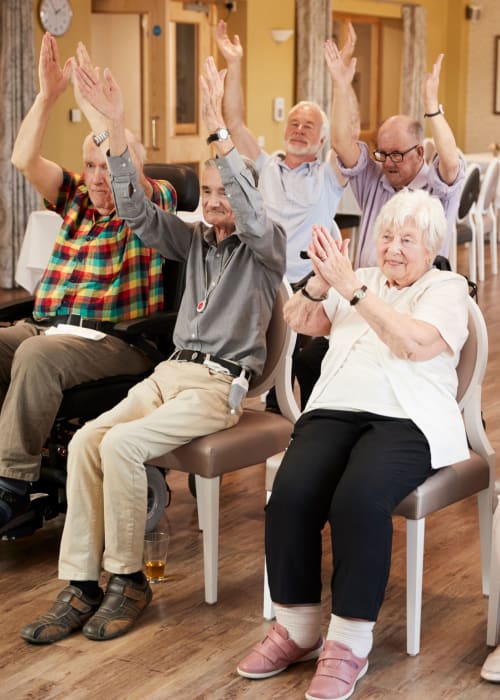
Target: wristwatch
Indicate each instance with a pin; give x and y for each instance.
(434, 114)
(219, 135)
(100, 137)
(358, 295)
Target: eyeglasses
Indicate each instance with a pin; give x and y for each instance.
(395, 156)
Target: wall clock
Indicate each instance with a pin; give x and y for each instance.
(55, 16)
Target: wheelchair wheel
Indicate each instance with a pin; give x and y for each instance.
(157, 497)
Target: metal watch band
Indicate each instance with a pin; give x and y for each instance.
(100, 137)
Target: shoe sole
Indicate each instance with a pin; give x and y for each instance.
(491, 676)
(347, 695)
(260, 676)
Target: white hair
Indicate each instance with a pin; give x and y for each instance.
(426, 211)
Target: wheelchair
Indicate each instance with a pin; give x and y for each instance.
(86, 401)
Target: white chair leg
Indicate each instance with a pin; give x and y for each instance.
(415, 533)
(207, 497)
(485, 525)
(480, 247)
(493, 627)
(452, 253)
(268, 608)
(493, 242)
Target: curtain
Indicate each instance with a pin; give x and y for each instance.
(413, 67)
(313, 22)
(17, 93)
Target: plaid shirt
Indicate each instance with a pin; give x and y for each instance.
(99, 269)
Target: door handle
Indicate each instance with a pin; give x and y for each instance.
(154, 142)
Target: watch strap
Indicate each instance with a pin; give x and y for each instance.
(358, 295)
(434, 114)
(311, 298)
(100, 137)
(218, 136)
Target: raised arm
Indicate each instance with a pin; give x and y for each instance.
(105, 98)
(345, 110)
(442, 134)
(243, 139)
(45, 175)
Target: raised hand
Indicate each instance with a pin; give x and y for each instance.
(347, 50)
(212, 92)
(53, 79)
(231, 50)
(430, 86)
(342, 73)
(105, 96)
(94, 117)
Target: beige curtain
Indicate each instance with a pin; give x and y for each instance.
(313, 21)
(17, 92)
(413, 68)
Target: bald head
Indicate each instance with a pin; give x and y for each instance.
(403, 134)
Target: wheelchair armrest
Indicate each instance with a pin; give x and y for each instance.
(15, 310)
(157, 324)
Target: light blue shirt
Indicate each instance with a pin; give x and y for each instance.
(299, 198)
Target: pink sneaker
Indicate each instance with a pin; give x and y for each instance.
(274, 654)
(337, 671)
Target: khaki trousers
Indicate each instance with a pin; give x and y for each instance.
(34, 371)
(107, 485)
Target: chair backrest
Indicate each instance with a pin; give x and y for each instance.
(470, 190)
(473, 356)
(182, 177)
(278, 337)
(488, 191)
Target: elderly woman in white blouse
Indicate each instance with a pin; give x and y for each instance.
(382, 417)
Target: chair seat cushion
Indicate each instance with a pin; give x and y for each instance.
(448, 485)
(257, 435)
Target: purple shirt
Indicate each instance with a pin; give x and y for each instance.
(372, 190)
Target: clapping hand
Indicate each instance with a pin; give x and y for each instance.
(212, 91)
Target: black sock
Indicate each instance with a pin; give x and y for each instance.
(89, 588)
(136, 576)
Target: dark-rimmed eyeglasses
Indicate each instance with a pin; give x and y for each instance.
(395, 156)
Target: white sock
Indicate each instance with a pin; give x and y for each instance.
(356, 634)
(302, 622)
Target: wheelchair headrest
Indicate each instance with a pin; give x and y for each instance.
(182, 177)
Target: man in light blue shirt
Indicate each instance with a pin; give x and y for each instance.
(299, 188)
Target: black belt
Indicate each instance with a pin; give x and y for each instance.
(77, 320)
(233, 368)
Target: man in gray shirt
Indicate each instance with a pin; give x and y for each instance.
(233, 270)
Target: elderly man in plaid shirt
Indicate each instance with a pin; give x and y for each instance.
(99, 273)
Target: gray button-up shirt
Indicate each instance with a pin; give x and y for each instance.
(236, 279)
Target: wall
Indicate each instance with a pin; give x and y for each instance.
(269, 66)
(482, 126)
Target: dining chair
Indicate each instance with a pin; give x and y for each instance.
(256, 436)
(486, 217)
(465, 224)
(448, 485)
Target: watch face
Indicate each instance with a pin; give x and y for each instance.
(223, 134)
(55, 16)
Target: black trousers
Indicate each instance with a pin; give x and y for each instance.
(350, 469)
(307, 366)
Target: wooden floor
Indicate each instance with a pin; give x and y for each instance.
(187, 650)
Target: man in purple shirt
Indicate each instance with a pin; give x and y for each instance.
(399, 157)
